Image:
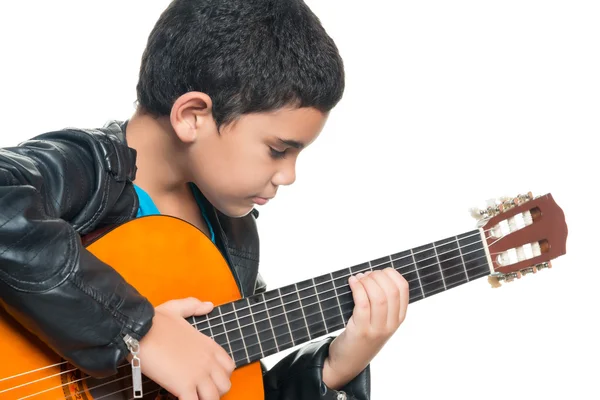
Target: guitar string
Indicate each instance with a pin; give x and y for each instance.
(322, 311)
(441, 244)
(413, 265)
(331, 281)
(390, 260)
(348, 292)
(454, 239)
(308, 326)
(275, 339)
(319, 301)
(127, 388)
(466, 276)
(334, 288)
(480, 275)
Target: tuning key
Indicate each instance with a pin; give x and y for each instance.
(543, 265)
(495, 278)
(498, 206)
(529, 270)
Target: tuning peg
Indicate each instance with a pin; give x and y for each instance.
(522, 198)
(543, 265)
(499, 205)
(529, 270)
(497, 277)
(484, 214)
(477, 213)
(494, 280)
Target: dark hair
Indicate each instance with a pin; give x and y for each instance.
(247, 55)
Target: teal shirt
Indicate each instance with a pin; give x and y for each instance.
(147, 207)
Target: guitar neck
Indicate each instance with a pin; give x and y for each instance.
(264, 324)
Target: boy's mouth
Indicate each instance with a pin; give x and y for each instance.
(261, 201)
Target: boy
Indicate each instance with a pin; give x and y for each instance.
(229, 93)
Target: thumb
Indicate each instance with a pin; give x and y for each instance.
(187, 307)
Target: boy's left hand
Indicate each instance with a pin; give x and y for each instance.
(380, 302)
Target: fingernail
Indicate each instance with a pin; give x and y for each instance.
(352, 279)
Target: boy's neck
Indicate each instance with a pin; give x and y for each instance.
(160, 155)
(161, 160)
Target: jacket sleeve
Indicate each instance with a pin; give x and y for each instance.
(53, 189)
(299, 375)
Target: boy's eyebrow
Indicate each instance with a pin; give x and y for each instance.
(292, 143)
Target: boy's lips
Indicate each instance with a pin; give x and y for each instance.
(261, 201)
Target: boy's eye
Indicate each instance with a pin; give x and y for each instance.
(276, 153)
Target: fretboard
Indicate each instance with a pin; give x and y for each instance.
(264, 324)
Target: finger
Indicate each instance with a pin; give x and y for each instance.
(392, 293)
(204, 308)
(221, 380)
(361, 315)
(206, 390)
(404, 288)
(188, 307)
(225, 361)
(378, 302)
(189, 395)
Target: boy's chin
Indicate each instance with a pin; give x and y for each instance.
(236, 211)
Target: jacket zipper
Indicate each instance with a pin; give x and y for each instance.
(136, 373)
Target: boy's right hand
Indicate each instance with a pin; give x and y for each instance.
(182, 360)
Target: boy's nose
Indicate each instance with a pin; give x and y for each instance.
(285, 176)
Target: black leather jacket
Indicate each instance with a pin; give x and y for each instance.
(61, 185)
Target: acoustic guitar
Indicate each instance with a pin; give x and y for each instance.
(166, 258)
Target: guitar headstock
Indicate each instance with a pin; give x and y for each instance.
(523, 234)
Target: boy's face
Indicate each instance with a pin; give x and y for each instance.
(249, 159)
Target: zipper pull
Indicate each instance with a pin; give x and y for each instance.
(136, 373)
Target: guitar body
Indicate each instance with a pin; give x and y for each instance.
(164, 258)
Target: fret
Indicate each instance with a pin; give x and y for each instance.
(405, 264)
(316, 298)
(283, 333)
(263, 324)
(437, 259)
(430, 275)
(234, 334)
(380, 263)
(201, 323)
(451, 263)
(342, 289)
(313, 313)
(332, 311)
(416, 269)
(302, 309)
(295, 317)
(474, 255)
(219, 333)
(462, 259)
(337, 298)
(249, 330)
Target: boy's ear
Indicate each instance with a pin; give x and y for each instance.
(191, 115)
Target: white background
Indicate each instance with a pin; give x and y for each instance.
(447, 104)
